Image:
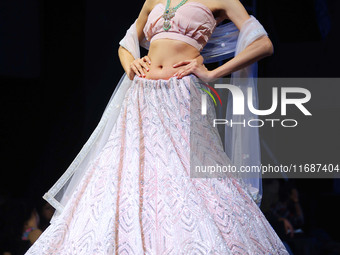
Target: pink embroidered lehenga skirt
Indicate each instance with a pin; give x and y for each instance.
(137, 196)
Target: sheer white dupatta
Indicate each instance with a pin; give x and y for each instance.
(60, 193)
(242, 143)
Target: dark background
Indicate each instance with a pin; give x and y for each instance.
(59, 66)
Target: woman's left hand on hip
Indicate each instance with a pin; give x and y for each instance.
(193, 66)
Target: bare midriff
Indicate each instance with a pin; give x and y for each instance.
(164, 53)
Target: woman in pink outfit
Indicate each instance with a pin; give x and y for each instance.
(136, 194)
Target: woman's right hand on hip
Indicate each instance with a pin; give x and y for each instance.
(139, 66)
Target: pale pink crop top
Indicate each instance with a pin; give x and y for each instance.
(193, 23)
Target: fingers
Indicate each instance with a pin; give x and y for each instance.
(178, 73)
(181, 63)
(147, 59)
(140, 65)
(183, 73)
(140, 70)
(191, 68)
(144, 65)
(135, 70)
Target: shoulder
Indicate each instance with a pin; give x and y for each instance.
(150, 4)
(147, 8)
(143, 16)
(234, 11)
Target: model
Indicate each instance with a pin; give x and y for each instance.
(130, 191)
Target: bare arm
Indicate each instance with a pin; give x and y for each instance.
(128, 62)
(257, 50)
(260, 48)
